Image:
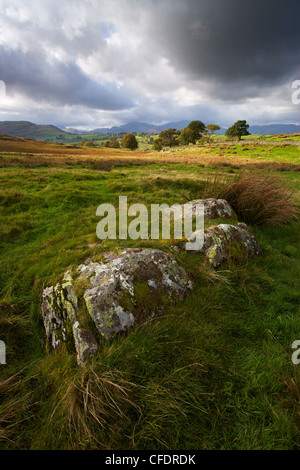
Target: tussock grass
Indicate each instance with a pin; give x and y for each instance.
(89, 401)
(10, 417)
(16, 407)
(260, 199)
(293, 389)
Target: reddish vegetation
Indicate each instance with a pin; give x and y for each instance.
(260, 199)
(17, 151)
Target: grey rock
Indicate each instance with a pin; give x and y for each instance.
(213, 209)
(223, 242)
(121, 290)
(85, 343)
(60, 315)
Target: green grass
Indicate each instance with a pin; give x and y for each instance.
(214, 372)
(274, 153)
(268, 138)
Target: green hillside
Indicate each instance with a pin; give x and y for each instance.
(28, 130)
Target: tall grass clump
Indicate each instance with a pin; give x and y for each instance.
(84, 407)
(260, 199)
(15, 329)
(93, 399)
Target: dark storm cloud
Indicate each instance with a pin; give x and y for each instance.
(243, 45)
(160, 60)
(58, 82)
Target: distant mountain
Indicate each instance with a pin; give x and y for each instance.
(156, 129)
(134, 126)
(28, 130)
(173, 125)
(274, 129)
(70, 130)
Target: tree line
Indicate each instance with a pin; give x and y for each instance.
(196, 131)
(191, 134)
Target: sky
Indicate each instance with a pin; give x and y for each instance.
(99, 63)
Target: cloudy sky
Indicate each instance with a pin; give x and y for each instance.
(98, 63)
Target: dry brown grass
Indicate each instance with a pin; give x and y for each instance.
(260, 199)
(15, 151)
(15, 407)
(93, 400)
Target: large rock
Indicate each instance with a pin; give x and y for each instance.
(213, 209)
(224, 242)
(104, 298)
(61, 313)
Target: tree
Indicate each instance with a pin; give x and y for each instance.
(238, 129)
(129, 142)
(88, 143)
(198, 129)
(168, 138)
(211, 129)
(156, 145)
(186, 136)
(112, 143)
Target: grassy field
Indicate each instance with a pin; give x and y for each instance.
(214, 372)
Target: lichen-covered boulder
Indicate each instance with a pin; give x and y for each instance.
(224, 242)
(213, 209)
(106, 297)
(61, 313)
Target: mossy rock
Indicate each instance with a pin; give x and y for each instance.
(229, 242)
(100, 299)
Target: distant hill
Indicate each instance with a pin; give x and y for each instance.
(274, 129)
(133, 126)
(28, 130)
(152, 128)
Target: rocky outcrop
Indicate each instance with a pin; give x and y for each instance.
(107, 297)
(224, 242)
